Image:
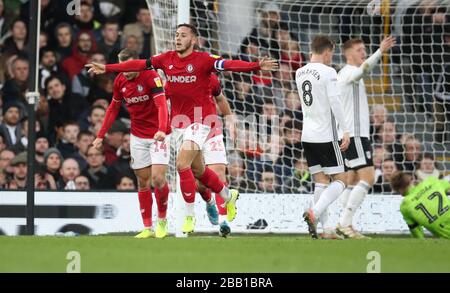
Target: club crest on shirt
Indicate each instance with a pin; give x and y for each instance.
(190, 68)
(124, 89)
(140, 88)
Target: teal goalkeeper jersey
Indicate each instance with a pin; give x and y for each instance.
(427, 205)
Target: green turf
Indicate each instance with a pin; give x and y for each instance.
(214, 254)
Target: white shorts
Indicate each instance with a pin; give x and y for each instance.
(197, 133)
(214, 151)
(146, 152)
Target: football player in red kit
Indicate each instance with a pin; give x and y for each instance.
(188, 75)
(144, 96)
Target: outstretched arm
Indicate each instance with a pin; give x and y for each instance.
(127, 66)
(266, 64)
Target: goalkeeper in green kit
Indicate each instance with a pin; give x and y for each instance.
(424, 205)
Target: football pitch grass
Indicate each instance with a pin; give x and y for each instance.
(239, 253)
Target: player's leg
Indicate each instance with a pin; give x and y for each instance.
(352, 180)
(211, 210)
(188, 151)
(160, 155)
(215, 158)
(140, 163)
(366, 178)
(333, 165)
(224, 228)
(359, 159)
(210, 179)
(145, 200)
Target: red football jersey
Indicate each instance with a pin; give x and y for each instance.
(138, 94)
(188, 85)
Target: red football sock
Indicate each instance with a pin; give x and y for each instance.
(221, 204)
(162, 196)
(211, 180)
(206, 194)
(187, 185)
(145, 203)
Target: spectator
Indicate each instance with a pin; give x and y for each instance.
(43, 39)
(5, 21)
(378, 116)
(427, 168)
(236, 173)
(268, 181)
(97, 173)
(82, 50)
(52, 162)
(15, 88)
(109, 43)
(95, 119)
(383, 185)
(67, 144)
(113, 141)
(125, 183)
(44, 181)
(16, 44)
(380, 154)
(241, 98)
(131, 42)
(6, 170)
(19, 174)
(289, 49)
(283, 83)
(85, 20)
(2, 142)
(62, 105)
(292, 134)
(142, 30)
(22, 143)
(293, 110)
(387, 136)
(84, 139)
(82, 183)
(42, 146)
(63, 33)
(69, 171)
(407, 155)
(265, 32)
(10, 128)
(301, 180)
(83, 82)
(103, 86)
(48, 66)
(122, 165)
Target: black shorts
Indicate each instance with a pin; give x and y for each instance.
(359, 153)
(324, 157)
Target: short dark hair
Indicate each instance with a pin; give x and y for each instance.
(96, 107)
(127, 54)
(428, 156)
(350, 43)
(50, 78)
(400, 181)
(188, 25)
(321, 43)
(84, 133)
(292, 124)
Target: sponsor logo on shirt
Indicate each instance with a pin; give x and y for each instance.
(158, 81)
(170, 66)
(182, 79)
(138, 99)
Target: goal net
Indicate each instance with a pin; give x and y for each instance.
(409, 90)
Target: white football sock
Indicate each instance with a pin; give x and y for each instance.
(354, 201)
(222, 218)
(318, 189)
(328, 196)
(225, 194)
(190, 209)
(343, 199)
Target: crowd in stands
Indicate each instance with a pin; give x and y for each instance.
(73, 103)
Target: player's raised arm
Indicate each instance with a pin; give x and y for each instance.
(355, 52)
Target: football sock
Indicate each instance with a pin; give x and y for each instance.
(328, 196)
(145, 203)
(354, 201)
(162, 196)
